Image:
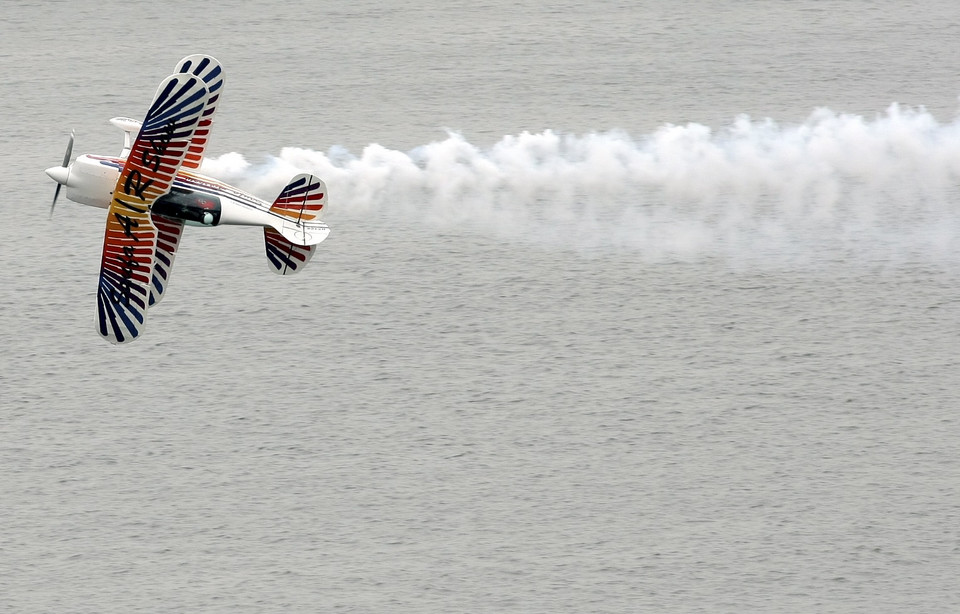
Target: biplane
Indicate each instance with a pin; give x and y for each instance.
(153, 189)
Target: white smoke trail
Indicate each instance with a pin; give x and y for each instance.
(836, 186)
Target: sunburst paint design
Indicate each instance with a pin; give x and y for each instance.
(130, 238)
(284, 257)
(209, 70)
(302, 199)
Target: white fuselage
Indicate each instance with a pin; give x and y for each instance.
(91, 180)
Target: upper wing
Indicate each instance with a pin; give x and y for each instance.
(169, 231)
(148, 173)
(209, 70)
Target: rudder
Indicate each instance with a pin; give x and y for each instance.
(297, 211)
(302, 200)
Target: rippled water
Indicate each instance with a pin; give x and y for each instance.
(646, 357)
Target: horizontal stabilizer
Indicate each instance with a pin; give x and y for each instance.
(303, 233)
(284, 257)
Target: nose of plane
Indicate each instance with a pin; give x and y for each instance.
(60, 174)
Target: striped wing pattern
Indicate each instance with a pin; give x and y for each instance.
(168, 239)
(284, 257)
(130, 237)
(302, 199)
(209, 70)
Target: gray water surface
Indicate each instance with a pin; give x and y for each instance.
(678, 366)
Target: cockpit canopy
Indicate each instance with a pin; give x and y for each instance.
(194, 208)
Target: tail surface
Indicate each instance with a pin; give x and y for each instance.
(302, 199)
(284, 257)
(297, 211)
(297, 228)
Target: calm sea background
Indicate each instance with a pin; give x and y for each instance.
(627, 307)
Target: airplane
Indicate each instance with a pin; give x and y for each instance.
(154, 188)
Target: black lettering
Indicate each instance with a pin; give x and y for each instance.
(136, 183)
(117, 297)
(129, 206)
(125, 292)
(153, 163)
(159, 147)
(128, 225)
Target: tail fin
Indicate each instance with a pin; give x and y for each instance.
(298, 208)
(302, 199)
(297, 230)
(284, 257)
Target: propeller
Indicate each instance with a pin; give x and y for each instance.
(58, 174)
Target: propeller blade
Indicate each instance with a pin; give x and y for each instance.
(66, 156)
(55, 174)
(55, 194)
